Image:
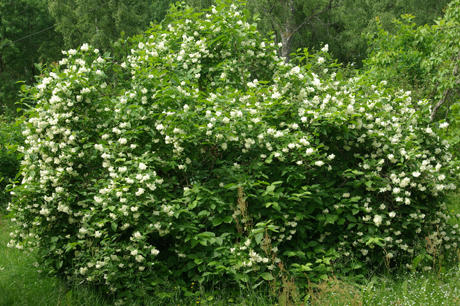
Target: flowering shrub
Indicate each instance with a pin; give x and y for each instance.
(202, 154)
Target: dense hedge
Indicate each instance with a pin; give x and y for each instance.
(202, 154)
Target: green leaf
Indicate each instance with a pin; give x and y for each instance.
(193, 204)
(267, 276)
(163, 295)
(114, 226)
(371, 229)
(191, 265)
(331, 219)
(351, 218)
(259, 237)
(217, 221)
(257, 285)
(351, 225)
(198, 261)
(338, 76)
(355, 265)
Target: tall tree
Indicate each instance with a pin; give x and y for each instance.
(357, 17)
(100, 22)
(287, 18)
(338, 23)
(26, 38)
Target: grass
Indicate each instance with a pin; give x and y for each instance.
(21, 285)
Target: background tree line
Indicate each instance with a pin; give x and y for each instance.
(33, 32)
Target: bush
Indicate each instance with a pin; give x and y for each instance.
(10, 139)
(202, 155)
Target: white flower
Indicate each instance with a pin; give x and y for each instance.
(140, 191)
(248, 242)
(84, 47)
(377, 220)
(444, 125)
(392, 214)
(320, 60)
(142, 166)
(122, 141)
(416, 174)
(319, 163)
(325, 48)
(346, 195)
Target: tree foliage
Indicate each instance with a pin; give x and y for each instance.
(100, 23)
(19, 52)
(202, 155)
(290, 18)
(357, 17)
(425, 61)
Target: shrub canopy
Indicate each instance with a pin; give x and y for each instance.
(202, 154)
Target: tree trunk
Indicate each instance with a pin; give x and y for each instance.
(286, 40)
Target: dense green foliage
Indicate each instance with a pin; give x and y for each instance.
(423, 60)
(339, 23)
(20, 284)
(35, 31)
(10, 139)
(202, 154)
(356, 19)
(100, 23)
(18, 57)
